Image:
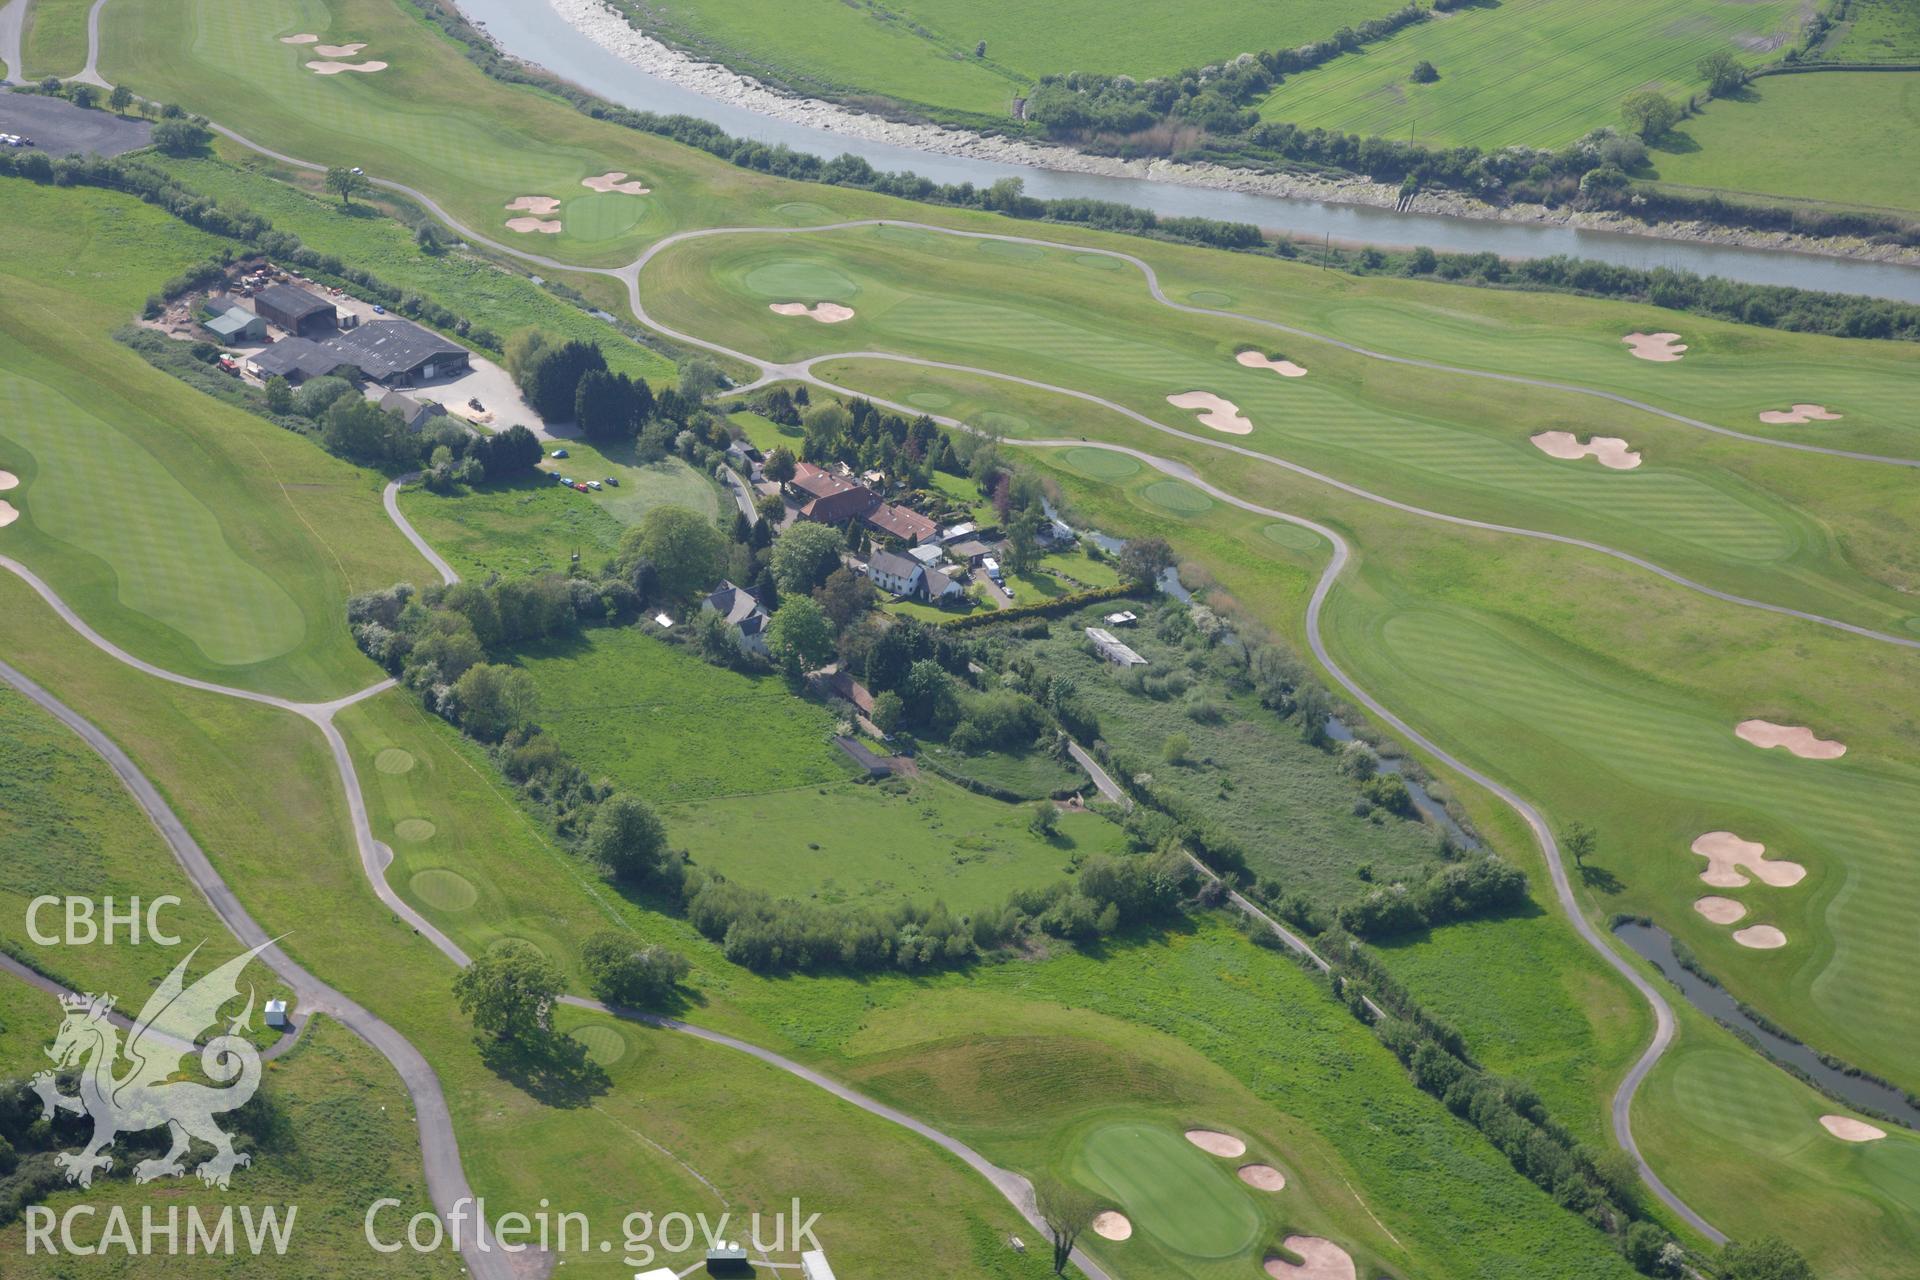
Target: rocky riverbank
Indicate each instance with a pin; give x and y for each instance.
(610, 29)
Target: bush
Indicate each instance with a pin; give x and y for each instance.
(317, 395)
(624, 972)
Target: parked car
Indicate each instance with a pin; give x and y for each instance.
(582, 488)
(614, 481)
(559, 453)
(379, 310)
(593, 484)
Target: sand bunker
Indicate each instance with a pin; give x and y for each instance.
(1663, 347)
(1795, 738)
(534, 204)
(1263, 1177)
(1112, 1226)
(1728, 856)
(338, 50)
(1719, 910)
(825, 312)
(1847, 1129)
(8, 480)
(8, 514)
(612, 181)
(1221, 415)
(1612, 451)
(303, 38)
(335, 68)
(545, 226)
(1798, 414)
(1285, 368)
(1324, 1260)
(1761, 937)
(1224, 1145)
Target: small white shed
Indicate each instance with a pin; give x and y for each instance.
(813, 1265)
(277, 1013)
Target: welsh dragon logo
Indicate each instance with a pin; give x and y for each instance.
(143, 1096)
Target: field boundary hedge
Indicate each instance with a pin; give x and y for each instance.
(1059, 604)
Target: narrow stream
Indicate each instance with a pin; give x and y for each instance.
(1655, 945)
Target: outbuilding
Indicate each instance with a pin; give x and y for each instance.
(234, 325)
(813, 1265)
(300, 313)
(295, 359)
(415, 413)
(1110, 648)
(277, 1014)
(400, 352)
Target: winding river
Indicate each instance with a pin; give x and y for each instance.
(532, 30)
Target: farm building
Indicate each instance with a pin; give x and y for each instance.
(969, 551)
(300, 313)
(415, 413)
(959, 532)
(898, 574)
(828, 498)
(927, 554)
(1112, 650)
(234, 324)
(813, 1265)
(741, 611)
(400, 352)
(296, 360)
(904, 523)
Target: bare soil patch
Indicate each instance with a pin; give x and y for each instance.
(305, 37)
(1847, 1129)
(1321, 1260)
(1214, 1143)
(615, 180)
(1729, 858)
(543, 226)
(1761, 937)
(1285, 368)
(1796, 738)
(1221, 415)
(1610, 451)
(533, 204)
(335, 68)
(8, 514)
(8, 480)
(1719, 910)
(1112, 1225)
(824, 312)
(1798, 414)
(1661, 347)
(1263, 1177)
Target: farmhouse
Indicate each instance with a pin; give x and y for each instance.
(233, 324)
(296, 360)
(399, 352)
(739, 609)
(828, 498)
(938, 586)
(904, 523)
(415, 413)
(1112, 650)
(300, 313)
(898, 574)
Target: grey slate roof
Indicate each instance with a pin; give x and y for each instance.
(382, 348)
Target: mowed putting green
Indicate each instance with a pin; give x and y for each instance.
(799, 279)
(1101, 464)
(1177, 497)
(1186, 1200)
(445, 890)
(605, 1043)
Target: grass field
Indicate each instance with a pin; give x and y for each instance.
(344, 1138)
(1699, 504)
(1533, 72)
(54, 39)
(1185, 1201)
(1030, 774)
(1797, 136)
(879, 845)
(662, 723)
(535, 526)
(921, 52)
(231, 544)
(1875, 31)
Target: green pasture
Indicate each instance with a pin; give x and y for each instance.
(194, 534)
(1281, 801)
(1875, 31)
(534, 525)
(53, 39)
(921, 52)
(922, 841)
(1772, 525)
(661, 722)
(344, 1137)
(465, 283)
(1800, 136)
(1534, 72)
(1031, 774)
